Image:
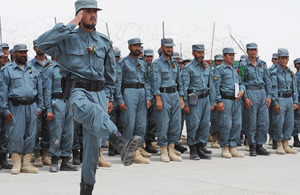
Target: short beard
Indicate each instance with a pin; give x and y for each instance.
(199, 59)
(166, 54)
(136, 53)
(88, 26)
(21, 60)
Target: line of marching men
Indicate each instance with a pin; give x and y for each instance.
(151, 100)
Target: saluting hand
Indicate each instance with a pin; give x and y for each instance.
(9, 117)
(77, 18)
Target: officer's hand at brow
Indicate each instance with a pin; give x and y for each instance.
(268, 102)
(110, 106)
(77, 18)
(276, 109)
(240, 95)
(9, 117)
(122, 107)
(220, 106)
(187, 109)
(49, 116)
(148, 104)
(247, 103)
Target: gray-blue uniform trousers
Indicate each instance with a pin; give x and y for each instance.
(271, 108)
(166, 81)
(197, 79)
(214, 119)
(3, 122)
(230, 120)
(70, 47)
(42, 123)
(296, 130)
(285, 94)
(258, 89)
(133, 90)
(25, 85)
(61, 127)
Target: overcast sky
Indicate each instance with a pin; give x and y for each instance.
(272, 24)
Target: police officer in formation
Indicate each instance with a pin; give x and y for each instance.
(296, 130)
(87, 65)
(199, 96)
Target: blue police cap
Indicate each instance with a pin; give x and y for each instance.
(175, 55)
(219, 57)
(228, 50)
(243, 57)
(198, 47)
(251, 46)
(1, 52)
(283, 52)
(296, 61)
(148, 52)
(4, 45)
(274, 56)
(167, 42)
(20, 47)
(81, 4)
(117, 53)
(134, 41)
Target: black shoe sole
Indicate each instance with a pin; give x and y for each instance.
(133, 145)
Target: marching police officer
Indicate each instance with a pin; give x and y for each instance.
(87, 66)
(297, 112)
(229, 91)
(284, 101)
(257, 100)
(22, 104)
(168, 91)
(60, 120)
(133, 96)
(199, 96)
(214, 129)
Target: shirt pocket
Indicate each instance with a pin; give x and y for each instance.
(165, 75)
(129, 73)
(16, 81)
(100, 59)
(175, 73)
(33, 80)
(75, 50)
(195, 77)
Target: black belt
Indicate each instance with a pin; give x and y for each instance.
(168, 90)
(57, 96)
(133, 85)
(226, 96)
(255, 87)
(201, 93)
(88, 85)
(23, 101)
(285, 94)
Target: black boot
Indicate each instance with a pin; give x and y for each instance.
(180, 148)
(296, 141)
(111, 150)
(54, 164)
(261, 150)
(76, 157)
(125, 148)
(3, 162)
(66, 166)
(149, 147)
(206, 151)
(274, 146)
(193, 152)
(252, 150)
(81, 154)
(201, 153)
(86, 189)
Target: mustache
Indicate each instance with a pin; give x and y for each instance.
(92, 18)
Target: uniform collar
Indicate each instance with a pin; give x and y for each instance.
(228, 66)
(132, 59)
(281, 69)
(15, 65)
(163, 58)
(257, 61)
(84, 34)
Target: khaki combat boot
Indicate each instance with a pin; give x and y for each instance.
(215, 142)
(46, 160)
(27, 167)
(210, 138)
(280, 149)
(164, 157)
(102, 162)
(235, 153)
(153, 144)
(287, 148)
(37, 159)
(16, 160)
(225, 152)
(144, 153)
(138, 158)
(172, 155)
